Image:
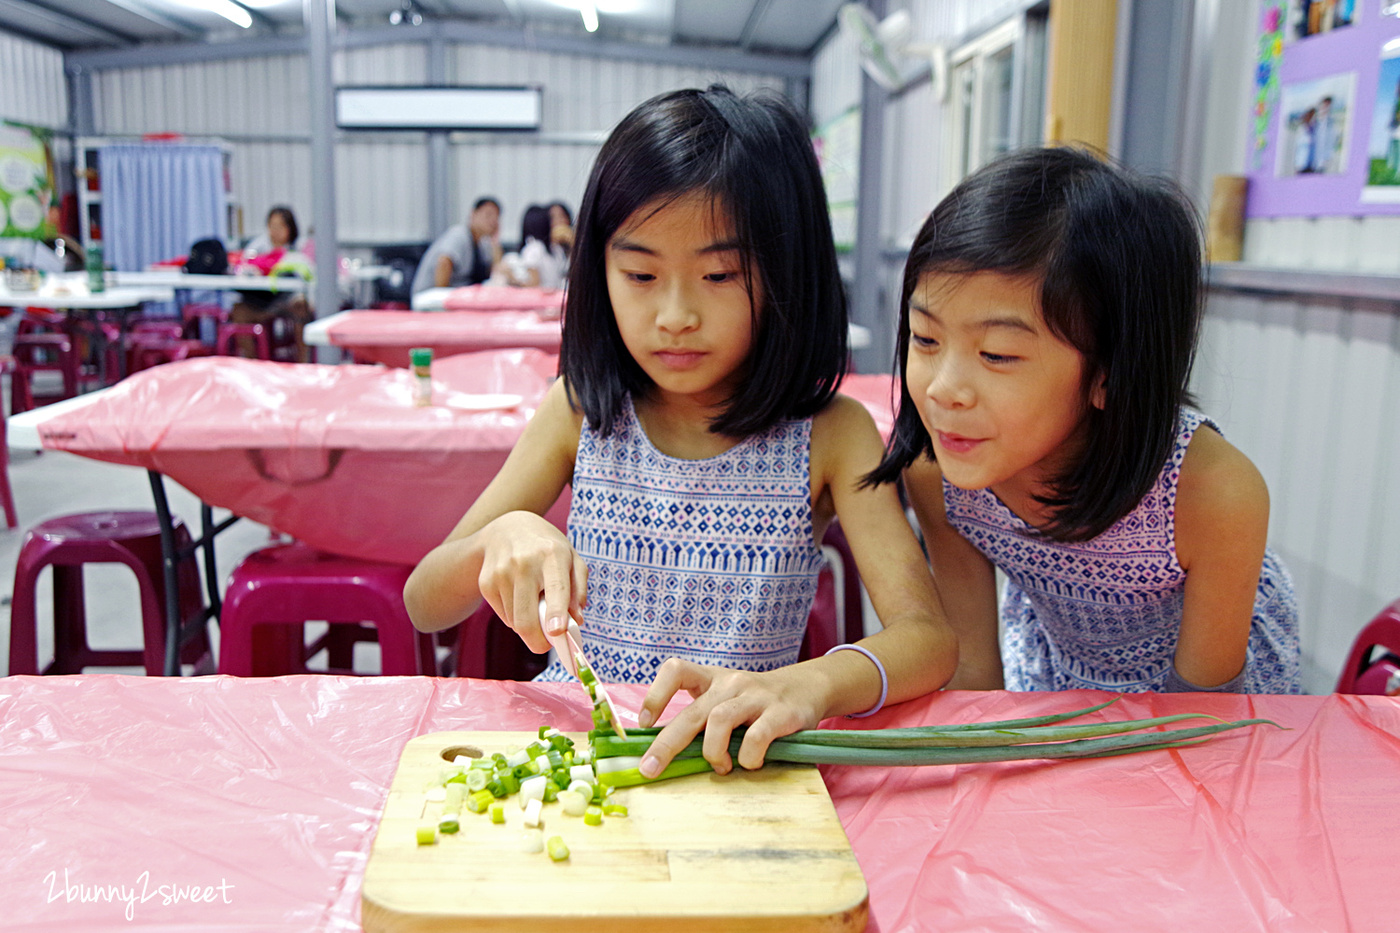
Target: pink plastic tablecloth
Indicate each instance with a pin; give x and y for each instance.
(503, 298)
(337, 456)
(267, 792)
(387, 336)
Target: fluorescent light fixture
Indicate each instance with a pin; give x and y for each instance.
(225, 8)
(589, 12)
(438, 108)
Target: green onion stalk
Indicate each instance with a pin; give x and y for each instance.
(1042, 737)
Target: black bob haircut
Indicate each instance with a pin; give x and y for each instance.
(754, 158)
(535, 225)
(1119, 258)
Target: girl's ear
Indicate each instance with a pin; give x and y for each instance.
(1098, 391)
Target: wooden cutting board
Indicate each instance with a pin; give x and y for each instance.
(749, 851)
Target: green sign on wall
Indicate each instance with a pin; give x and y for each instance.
(26, 182)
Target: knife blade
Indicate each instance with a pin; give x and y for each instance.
(569, 647)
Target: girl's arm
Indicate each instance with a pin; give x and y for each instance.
(916, 647)
(503, 550)
(1222, 525)
(966, 581)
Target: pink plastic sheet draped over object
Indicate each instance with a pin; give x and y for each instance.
(387, 336)
(503, 298)
(337, 456)
(263, 797)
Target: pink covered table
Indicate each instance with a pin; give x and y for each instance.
(489, 298)
(263, 796)
(387, 336)
(336, 456)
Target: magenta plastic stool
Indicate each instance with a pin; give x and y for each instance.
(278, 589)
(66, 544)
(1361, 674)
(35, 352)
(228, 334)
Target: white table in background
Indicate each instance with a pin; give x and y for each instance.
(186, 281)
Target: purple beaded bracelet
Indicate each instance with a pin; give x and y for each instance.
(884, 680)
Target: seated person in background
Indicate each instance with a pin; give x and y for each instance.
(542, 262)
(561, 226)
(282, 234)
(266, 307)
(466, 253)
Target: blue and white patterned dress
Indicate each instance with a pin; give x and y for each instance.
(1106, 613)
(710, 560)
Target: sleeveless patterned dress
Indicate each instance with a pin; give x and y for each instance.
(1106, 613)
(710, 560)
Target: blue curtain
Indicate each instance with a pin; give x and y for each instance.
(157, 199)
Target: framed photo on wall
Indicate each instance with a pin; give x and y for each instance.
(1326, 109)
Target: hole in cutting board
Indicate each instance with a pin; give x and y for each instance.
(450, 753)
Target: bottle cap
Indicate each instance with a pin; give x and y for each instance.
(421, 356)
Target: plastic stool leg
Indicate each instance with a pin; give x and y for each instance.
(24, 626)
(70, 621)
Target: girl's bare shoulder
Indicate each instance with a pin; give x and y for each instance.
(844, 431)
(557, 422)
(1220, 490)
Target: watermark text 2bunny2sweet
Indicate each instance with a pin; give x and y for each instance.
(142, 890)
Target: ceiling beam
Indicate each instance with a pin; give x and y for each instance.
(784, 66)
(760, 7)
(68, 23)
(184, 28)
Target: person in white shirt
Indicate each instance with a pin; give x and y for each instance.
(542, 262)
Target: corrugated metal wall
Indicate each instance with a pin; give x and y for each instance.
(1308, 388)
(33, 88)
(259, 105)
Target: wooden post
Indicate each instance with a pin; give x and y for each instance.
(1080, 96)
(1225, 228)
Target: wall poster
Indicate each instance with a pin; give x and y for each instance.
(1325, 127)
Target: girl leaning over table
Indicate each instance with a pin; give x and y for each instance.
(1049, 319)
(698, 423)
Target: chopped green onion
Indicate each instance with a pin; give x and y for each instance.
(479, 801)
(476, 780)
(449, 823)
(572, 802)
(498, 812)
(427, 834)
(614, 809)
(532, 789)
(453, 795)
(593, 816)
(532, 812)
(557, 850)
